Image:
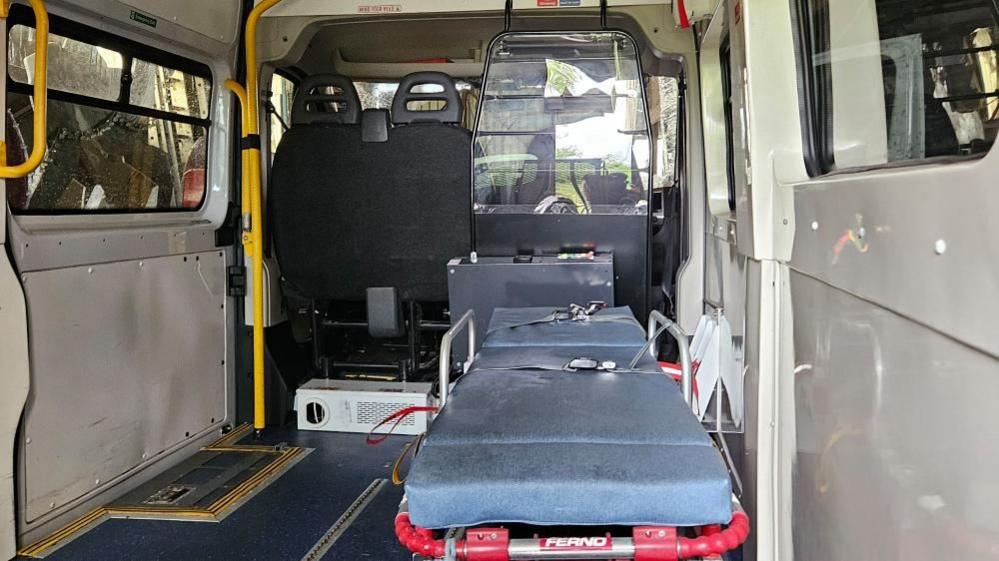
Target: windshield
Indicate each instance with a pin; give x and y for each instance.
(562, 127)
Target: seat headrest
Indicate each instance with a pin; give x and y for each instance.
(410, 104)
(326, 98)
(374, 125)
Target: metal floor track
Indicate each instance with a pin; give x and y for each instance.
(332, 504)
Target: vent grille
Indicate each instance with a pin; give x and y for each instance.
(315, 413)
(374, 412)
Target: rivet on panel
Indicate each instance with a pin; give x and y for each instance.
(141, 264)
(861, 232)
(785, 221)
(940, 247)
(145, 455)
(90, 270)
(815, 226)
(27, 440)
(97, 482)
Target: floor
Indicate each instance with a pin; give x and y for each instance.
(283, 522)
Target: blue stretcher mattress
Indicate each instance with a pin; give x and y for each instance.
(525, 327)
(548, 446)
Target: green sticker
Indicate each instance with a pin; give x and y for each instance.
(143, 19)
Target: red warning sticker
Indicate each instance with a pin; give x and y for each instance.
(379, 9)
(547, 3)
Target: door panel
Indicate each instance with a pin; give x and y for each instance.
(128, 317)
(13, 364)
(894, 416)
(128, 361)
(13, 391)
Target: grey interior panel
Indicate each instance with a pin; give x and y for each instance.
(128, 360)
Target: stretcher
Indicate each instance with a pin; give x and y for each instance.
(563, 420)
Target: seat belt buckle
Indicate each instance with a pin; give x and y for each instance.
(564, 315)
(584, 363)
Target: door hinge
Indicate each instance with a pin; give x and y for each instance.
(236, 280)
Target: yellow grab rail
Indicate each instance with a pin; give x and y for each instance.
(254, 242)
(41, 93)
(240, 92)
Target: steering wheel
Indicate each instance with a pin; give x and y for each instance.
(554, 204)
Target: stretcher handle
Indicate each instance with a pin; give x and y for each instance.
(657, 319)
(467, 320)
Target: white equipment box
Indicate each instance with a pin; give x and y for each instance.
(358, 406)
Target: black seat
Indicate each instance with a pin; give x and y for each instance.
(359, 206)
(310, 196)
(353, 210)
(428, 168)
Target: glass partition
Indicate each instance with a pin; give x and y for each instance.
(562, 126)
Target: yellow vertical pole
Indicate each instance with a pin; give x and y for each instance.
(256, 235)
(240, 92)
(40, 124)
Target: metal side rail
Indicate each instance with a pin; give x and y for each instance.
(659, 324)
(467, 321)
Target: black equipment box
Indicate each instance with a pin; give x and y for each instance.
(524, 281)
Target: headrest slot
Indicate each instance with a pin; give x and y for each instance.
(413, 97)
(326, 98)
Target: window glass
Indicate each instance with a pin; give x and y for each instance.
(664, 97)
(158, 87)
(100, 159)
(282, 96)
(562, 127)
(898, 81)
(138, 145)
(376, 95)
(74, 67)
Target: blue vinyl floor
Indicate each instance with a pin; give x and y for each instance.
(282, 522)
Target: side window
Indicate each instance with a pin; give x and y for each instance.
(894, 82)
(664, 102)
(118, 141)
(282, 95)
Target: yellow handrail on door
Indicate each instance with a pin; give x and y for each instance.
(41, 93)
(254, 242)
(240, 92)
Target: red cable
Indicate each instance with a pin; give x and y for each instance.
(398, 416)
(678, 377)
(682, 10)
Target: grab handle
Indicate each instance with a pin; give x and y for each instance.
(657, 319)
(467, 320)
(40, 117)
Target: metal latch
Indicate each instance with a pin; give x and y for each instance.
(236, 280)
